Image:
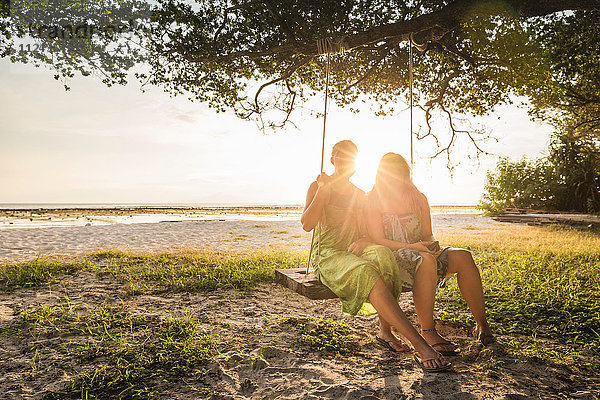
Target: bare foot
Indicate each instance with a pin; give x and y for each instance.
(396, 344)
(483, 335)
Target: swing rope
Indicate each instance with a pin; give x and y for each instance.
(323, 46)
(323, 151)
(410, 84)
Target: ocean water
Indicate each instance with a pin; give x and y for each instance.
(42, 215)
(69, 206)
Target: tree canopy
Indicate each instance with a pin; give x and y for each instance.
(261, 58)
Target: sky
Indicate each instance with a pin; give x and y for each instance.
(119, 145)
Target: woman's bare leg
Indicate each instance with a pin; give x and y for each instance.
(469, 282)
(381, 298)
(424, 288)
(385, 331)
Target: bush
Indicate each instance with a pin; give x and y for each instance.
(577, 162)
(522, 184)
(567, 180)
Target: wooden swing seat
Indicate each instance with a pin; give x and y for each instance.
(305, 284)
(302, 283)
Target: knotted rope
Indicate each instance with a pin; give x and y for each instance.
(325, 46)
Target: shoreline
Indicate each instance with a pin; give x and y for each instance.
(57, 217)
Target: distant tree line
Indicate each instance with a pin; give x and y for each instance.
(567, 179)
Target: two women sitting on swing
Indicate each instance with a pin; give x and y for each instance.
(374, 245)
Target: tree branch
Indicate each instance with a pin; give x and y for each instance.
(428, 27)
(286, 74)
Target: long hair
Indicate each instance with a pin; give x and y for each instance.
(393, 183)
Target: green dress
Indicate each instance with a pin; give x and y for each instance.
(349, 276)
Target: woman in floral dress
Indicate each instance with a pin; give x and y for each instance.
(399, 217)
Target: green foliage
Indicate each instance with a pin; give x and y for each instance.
(196, 271)
(35, 273)
(567, 180)
(219, 52)
(571, 45)
(577, 162)
(125, 356)
(323, 334)
(79, 318)
(521, 184)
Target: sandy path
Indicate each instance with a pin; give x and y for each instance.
(26, 243)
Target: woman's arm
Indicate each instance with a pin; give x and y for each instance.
(377, 234)
(426, 233)
(316, 198)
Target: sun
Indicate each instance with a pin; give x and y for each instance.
(366, 169)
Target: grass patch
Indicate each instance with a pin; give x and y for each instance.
(551, 294)
(323, 334)
(197, 271)
(280, 231)
(542, 292)
(119, 354)
(79, 318)
(36, 272)
(261, 226)
(562, 240)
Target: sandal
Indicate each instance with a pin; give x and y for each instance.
(441, 368)
(443, 352)
(388, 345)
(484, 338)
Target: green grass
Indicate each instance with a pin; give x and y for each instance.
(197, 271)
(79, 318)
(36, 272)
(323, 334)
(551, 294)
(119, 354)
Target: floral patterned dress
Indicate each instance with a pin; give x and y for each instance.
(406, 228)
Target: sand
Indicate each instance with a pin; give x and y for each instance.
(17, 243)
(265, 361)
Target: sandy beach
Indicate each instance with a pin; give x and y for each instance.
(265, 361)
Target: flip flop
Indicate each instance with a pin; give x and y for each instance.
(387, 345)
(441, 368)
(454, 352)
(443, 352)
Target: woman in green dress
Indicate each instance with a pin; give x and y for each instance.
(362, 274)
